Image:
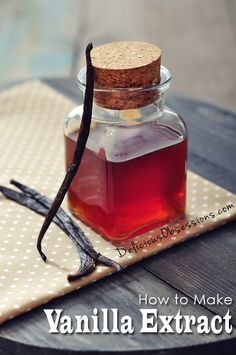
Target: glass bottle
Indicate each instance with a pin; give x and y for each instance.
(132, 177)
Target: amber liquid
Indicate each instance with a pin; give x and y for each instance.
(123, 199)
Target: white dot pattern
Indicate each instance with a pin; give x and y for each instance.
(32, 151)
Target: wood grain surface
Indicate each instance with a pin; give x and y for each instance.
(203, 265)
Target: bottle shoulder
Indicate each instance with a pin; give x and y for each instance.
(127, 139)
(133, 117)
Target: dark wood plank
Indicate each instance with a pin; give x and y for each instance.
(212, 136)
(68, 87)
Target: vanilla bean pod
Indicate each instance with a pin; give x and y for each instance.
(72, 228)
(24, 200)
(87, 263)
(79, 150)
(76, 233)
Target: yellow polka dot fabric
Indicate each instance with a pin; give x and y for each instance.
(32, 151)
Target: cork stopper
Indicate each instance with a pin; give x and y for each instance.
(132, 68)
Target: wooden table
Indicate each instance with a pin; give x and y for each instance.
(205, 265)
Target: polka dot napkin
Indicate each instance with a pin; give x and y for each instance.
(32, 151)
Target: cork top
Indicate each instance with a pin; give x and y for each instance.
(126, 65)
(124, 55)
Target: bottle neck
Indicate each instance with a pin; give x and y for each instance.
(136, 115)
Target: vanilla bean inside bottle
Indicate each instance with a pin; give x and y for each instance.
(132, 176)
